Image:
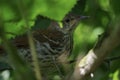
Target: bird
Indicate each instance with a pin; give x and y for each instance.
(52, 43)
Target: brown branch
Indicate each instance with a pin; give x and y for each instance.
(106, 43)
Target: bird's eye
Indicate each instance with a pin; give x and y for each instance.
(67, 20)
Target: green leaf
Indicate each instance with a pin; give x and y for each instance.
(79, 7)
(54, 9)
(16, 13)
(115, 5)
(116, 75)
(41, 23)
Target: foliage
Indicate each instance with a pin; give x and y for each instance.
(18, 15)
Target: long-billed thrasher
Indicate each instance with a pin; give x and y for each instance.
(50, 43)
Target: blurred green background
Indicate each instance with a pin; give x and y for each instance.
(17, 15)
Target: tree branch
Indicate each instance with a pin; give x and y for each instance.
(106, 43)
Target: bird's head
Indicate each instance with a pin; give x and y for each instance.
(70, 22)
